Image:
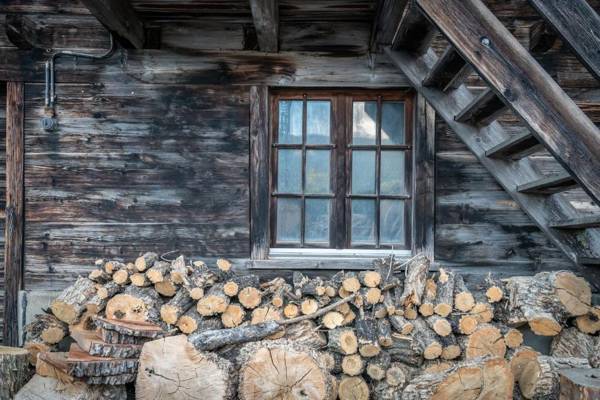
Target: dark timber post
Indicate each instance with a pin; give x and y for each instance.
(13, 245)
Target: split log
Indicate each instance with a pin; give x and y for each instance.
(51, 389)
(307, 333)
(579, 384)
(463, 298)
(478, 378)
(428, 300)
(214, 339)
(166, 287)
(81, 364)
(440, 325)
(171, 368)
(14, 370)
(407, 350)
(46, 328)
(135, 304)
(401, 324)
(179, 271)
(54, 365)
(486, 340)
(427, 340)
(294, 372)
(353, 365)
(353, 388)
(130, 328)
(546, 300)
(571, 342)
(158, 272)
(384, 333)
(70, 304)
(377, 366)
(366, 334)
(369, 279)
(145, 261)
(91, 342)
(343, 341)
(176, 307)
(214, 302)
(414, 284)
(590, 322)
(444, 297)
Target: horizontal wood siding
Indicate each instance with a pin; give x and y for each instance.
(2, 196)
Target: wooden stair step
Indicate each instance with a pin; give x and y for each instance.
(590, 221)
(585, 260)
(549, 185)
(483, 110)
(414, 31)
(449, 72)
(516, 147)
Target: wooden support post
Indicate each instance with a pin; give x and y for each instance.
(265, 14)
(259, 176)
(13, 236)
(120, 18)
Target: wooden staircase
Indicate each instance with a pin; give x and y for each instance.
(516, 82)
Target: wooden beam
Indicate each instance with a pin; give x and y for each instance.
(414, 32)
(13, 236)
(578, 25)
(259, 172)
(21, 31)
(450, 71)
(265, 14)
(549, 185)
(553, 118)
(516, 147)
(387, 19)
(541, 37)
(483, 110)
(120, 18)
(589, 221)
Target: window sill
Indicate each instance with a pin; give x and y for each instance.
(278, 252)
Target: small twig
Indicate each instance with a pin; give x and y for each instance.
(320, 312)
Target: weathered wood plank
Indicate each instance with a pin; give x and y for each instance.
(259, 176)
(541, 37)
(21, 31)
(591, 221)
(13, 247)
(549, 185)
(483, 110)
(578, 25)
(552, 116)
(516, 147)
(414, 31)
(450, 71)
(120, 18)
(265, 14)
(385, 24)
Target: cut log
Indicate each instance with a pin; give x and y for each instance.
(427, 340)
(40, 387)
(451, 350)
(35, 348)
(159, 271)
(250, 297)
(332, 320)
(309, 306)
(46, 328)
(224, 265)
(108, 290)
(130, 328)
(113, 266)
(81, 364)
(486, 340)
(166, 287)
(440, 325)
(234, 315)
(444, 297)
(145, 261)
(353, 388)
(135, 304)
(590, 322)
(91, 342)
(264, 314)
(546, 300)
(192, 322)
(343, 341)
(370, 296)
(214, 302)
(410, 312)
(384, 333)
(291, 310)
(140, 279)
(571, 342)
(495, 290)
(176, 307)
(283, 369)
(366, 334)
(121, 277)
(579, 384)
(179, 271)
(54, 365)
(369, 279)
(353, 365)
(470, 380)
(98, 275)
(377, 366)
(482, 311)
(414, 284)
(428, 300)
(70, 304)
(113, 337)
(307, 333)
(513, 338)
(171, 368)
(463, 298)
(401, 324)
(407, 350)
(397, 375)
(350, 283)
(214, 339)
(14, 370)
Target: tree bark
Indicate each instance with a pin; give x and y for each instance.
(214, 339)
(14, 370)
(176, 307)
(135, 304)
(71, 303)
(444, 297)
(40, 387)
(414, 284)
(579, 384)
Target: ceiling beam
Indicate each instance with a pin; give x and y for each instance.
(388, 16)
(120, 18)
(265, 14)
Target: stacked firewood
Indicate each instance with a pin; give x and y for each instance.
(396, 331)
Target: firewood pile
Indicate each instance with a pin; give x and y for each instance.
(182, 330)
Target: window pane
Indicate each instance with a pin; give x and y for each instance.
(364, 122)
(363, 172)
(290, 121)
(363, 222)
(392, 123)
(318, 114)
(288, 220)
(392, 222)
(317, 171)
(316, 227)
(392, 172)
(289, 171)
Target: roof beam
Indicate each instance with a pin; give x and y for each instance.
(523, 84)
(387, 19)
(265, 14)
(414, 31)
(120, 18)
(578, 25)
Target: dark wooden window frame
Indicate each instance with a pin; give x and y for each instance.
(420, 224)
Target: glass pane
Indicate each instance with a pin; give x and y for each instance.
(392, 172)
(288, 220)
(289, 171)
(318, 115)
(392, 122)
(290, 121)
(317, 171)
(316, 227)
(363, 222)
(364, 122)
(363, 172)
(392, 222)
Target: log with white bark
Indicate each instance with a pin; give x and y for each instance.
(440, 325)
(571, 342)
(176, 306)
(130, 328)
(81, 364)
(306, 333)
(406, 350)
(283, 369)
(14, 370)
(414, 284)
(427, 340)
(71, 303)
(192, 321)
(40, 387)
(180, 271)
(367, 333)
(401, 324)
(171, 368)
(46, 328)
(145, 261)
(377, 366)
(214, 339)
(92, 343)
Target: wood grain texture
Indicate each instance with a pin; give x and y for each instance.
(120, 18)
(13, 247)
(265, 14)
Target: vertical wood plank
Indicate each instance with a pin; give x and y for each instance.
(259, 172)
(424, 179)
(13, 246)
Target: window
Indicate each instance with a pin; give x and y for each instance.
(341, 169)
